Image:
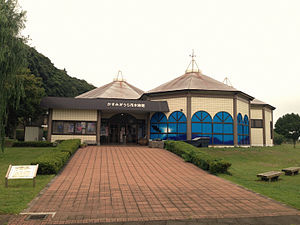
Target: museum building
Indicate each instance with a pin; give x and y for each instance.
(189, 106)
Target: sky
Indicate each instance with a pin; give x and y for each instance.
(255, 43)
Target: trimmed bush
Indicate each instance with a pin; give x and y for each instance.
(199, 158)
(9, 142)
(52, 161)
(32, 144)
(69, 146)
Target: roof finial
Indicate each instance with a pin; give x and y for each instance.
(119, 76)
(193, 63)
(227, 82)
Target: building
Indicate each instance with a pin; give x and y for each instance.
(190, 106)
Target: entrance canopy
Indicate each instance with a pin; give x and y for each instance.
(105, 104)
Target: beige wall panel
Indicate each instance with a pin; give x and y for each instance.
(74, 114)
(67, 137)
(212, 105)
(256, 114)
(175, 104)
(257, 137)
(243, 108)
(268, 118)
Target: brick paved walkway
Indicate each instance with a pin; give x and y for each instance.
(113, 184)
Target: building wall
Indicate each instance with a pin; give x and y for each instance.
(212, 105)
(74, 115)
(268, 119)
(175, 104)
(257, 133)
(91, 138)
(243, 107)
(256, 113)
(256, 136)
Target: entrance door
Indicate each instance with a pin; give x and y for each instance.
(123, 129)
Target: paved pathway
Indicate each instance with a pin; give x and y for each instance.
(119, 184)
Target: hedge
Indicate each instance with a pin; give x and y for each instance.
(9, 142)
(52, 161)
(198, 157)
(32, 144)
(69, 146)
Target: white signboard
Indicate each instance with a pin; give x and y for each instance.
(125, 105)
(21, 172)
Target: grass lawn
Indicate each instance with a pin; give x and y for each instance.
(248, 162)
(19, 192)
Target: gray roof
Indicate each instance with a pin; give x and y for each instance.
(193, 81)
(104, 104)
(261, 103)
(116, 89)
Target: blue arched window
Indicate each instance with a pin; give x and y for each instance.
(177, 126)
(246, 130)
(243, 130)
(223, 129)
(240, 129)
(202, 125)
(159, 126)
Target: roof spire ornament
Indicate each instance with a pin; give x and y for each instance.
(192, 64)
(227, 82)
(119, 76)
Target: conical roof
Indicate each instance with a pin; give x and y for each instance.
(119, 88)
(194, 80)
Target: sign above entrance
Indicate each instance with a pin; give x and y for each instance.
(105, 104)
(126, 105)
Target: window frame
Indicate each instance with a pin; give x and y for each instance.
(254, 123)
(74, 124)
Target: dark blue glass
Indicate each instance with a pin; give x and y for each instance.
(201, 116)
(246, 120)
(218, 128)
(196, 127)
(240, 118)
(228, 140)
(207, 128)
(228, 128)
(218, 139)
(181, 127)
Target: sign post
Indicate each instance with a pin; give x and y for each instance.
(21, 172)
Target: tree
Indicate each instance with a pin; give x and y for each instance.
(12, 56)
(289, 126)
(29, 107)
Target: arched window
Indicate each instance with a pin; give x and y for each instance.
(243, 130)
(159, 126)
(240, 129)
(246, 130)
(177, 126)
(223, 129)
(202, 125)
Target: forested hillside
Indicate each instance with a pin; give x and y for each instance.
(56, 82)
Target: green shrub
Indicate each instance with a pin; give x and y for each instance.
(9, 142)
(32, 144)
(199, 158)
(69, 146)
(278, 139)
(52, 161)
